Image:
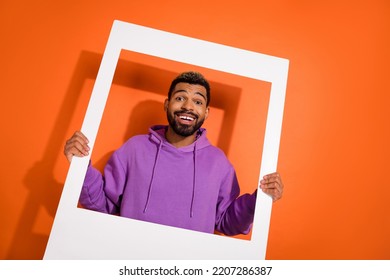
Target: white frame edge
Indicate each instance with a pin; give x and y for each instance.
(84, 234)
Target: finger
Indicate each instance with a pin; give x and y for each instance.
(272, 185)
(272, 181)
(80, 135)
(272, 177)
(80, 138)
(74, 152)
(77, 145)
(273, 193)
(77, 148)
(275, 189)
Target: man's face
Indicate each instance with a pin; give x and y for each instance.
(187, 110)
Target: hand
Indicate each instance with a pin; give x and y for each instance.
(77, 145)
(272, 185)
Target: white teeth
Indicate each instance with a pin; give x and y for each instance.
(186, 118)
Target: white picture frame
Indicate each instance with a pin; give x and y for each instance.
(83, 234)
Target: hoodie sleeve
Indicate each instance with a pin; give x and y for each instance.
(234, 213)
(103, 193)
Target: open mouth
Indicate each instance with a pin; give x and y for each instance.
(186, 118)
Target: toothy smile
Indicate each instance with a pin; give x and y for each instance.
(186, 118)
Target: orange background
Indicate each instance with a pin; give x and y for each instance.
(334, 147)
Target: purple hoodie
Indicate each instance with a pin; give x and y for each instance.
(193, 187)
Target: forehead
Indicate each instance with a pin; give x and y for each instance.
(190, 88)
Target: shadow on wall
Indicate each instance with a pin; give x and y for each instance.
(45, 191)
(144, 115)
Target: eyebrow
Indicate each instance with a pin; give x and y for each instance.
(182, 90)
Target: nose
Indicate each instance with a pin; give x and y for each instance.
(188, 105)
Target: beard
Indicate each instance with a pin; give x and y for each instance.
(181, 129)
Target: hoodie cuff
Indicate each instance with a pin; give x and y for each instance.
(91, 175)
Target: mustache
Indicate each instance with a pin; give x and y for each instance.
(187, 113)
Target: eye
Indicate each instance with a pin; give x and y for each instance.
(198, 102)
(179, 98)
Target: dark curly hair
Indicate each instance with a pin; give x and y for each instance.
(194, 78)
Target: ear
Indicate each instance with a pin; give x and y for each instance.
(166, 102)
(206, 114)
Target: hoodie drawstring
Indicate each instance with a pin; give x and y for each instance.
(193, 185)
(151, 180)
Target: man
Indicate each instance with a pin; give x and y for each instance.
(173, 176)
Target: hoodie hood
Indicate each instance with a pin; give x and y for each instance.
(157, 135)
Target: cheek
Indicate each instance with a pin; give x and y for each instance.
(169, 107)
